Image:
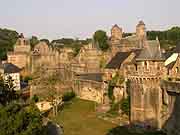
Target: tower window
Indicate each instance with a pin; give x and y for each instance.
(146, 64)
(177, 69)
(136, 67)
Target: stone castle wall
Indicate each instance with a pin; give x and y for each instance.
(89, 90)
(146, 102)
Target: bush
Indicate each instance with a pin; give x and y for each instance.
(111, 92)
(68, 96)
(27, 78)
(125, 106)
(114, 110)
(35, 98)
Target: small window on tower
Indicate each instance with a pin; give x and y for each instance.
(146, 65)
(177, 69)
(136, 67)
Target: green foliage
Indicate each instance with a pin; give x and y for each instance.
(63, 41)
(75, 44)
(102, 63)
(168, 38)
(69, 42)
(33, 41)
(112, 83)
(127, 34)
(115, 80)
(101, 39)
(125, 106)
(35, 98)
(68, 96)
(114, 110)
(111, 92)
(76, 50)
(81, 114)
(7, 40)
(16, 119)
(27, 78)
(7, 92)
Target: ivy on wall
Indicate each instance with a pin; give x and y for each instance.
(116, 79)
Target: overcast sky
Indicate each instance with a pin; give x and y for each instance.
(80, 18)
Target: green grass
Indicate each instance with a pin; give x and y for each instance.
(79, 118)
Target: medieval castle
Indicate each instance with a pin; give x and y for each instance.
(150, 77)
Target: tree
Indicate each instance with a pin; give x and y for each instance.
(125, 106)
(7, 40)
(101, 39)
(17, 119)
(168, 38)
(33, 41)
(7, 92)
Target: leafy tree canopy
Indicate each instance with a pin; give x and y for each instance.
(69, 42)
(101, 39)
(7, 92)
(168, 38)
(33, 41)
(7, 40)
(16, 119)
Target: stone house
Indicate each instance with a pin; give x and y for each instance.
(9, 70)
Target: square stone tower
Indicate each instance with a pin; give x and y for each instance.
(20, 55)
(141, 30)
(116, 32)
(145, 91)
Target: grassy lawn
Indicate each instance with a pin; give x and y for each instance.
(79, 118)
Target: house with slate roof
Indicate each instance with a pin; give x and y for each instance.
(11, 71)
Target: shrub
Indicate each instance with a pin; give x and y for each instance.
(27, 78)
(68, 96)
(35, 98)
(111, 92)
(114, 108)
(125, 105)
